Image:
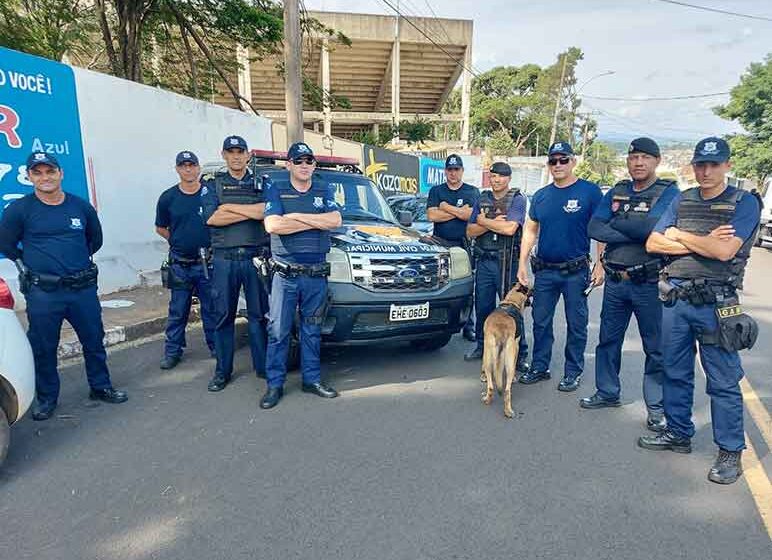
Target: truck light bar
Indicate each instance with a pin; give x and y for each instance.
(326, 160)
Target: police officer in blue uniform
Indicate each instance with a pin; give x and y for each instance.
(496, 225)
(623, 221)
(449, 206)
(299, 215)
(707, 234)
(59, 232)
(558, 216)
(178, 219)
(233, 207)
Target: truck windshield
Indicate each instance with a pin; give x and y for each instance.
(358, 198)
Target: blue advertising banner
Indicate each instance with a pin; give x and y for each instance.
(38, 111)
(432, 173)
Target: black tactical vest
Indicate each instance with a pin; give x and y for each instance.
(635, 206)
(491, 207)
(248, 233)
(700, 217)
(310, 202)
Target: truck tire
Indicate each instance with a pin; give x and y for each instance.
(431, 344)
(5, 436)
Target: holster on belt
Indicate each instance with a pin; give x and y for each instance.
(567, 267)
(290, 270)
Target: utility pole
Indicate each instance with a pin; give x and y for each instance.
(584, 135)
(293, 93)
(554, 130)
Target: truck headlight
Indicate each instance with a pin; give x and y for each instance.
(460, 267)
(340, 269)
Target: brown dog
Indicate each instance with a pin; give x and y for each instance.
(501, 339)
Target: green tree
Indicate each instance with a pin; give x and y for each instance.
(599, 164)
(750, 104)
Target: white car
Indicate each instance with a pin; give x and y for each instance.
(17, 369)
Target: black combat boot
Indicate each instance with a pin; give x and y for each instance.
(727, 468)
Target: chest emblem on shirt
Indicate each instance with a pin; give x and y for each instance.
(75, 223)
(641, 207)
(204, 190)
(318, 202)
(460, 202)
(572, 206)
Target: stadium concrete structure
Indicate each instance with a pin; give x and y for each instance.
(392, 72)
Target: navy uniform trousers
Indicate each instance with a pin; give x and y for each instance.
(486, 288)
(232, 269)
(302, 293)
(45, 313)
(179, 308)
(548, 286)
(621, 300)
(723, 370)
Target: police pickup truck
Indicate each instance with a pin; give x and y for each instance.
(388, 282)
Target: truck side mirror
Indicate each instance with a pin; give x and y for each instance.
(405, 218)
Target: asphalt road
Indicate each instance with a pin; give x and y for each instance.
(406, 464)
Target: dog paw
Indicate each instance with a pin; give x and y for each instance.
(486, 398)
(483, 377)
(509, 413)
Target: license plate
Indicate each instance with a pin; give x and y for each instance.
(409, 312)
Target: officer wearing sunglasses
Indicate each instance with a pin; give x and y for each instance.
(558, 216)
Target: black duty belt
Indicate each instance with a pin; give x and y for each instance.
(239, 253)
(292, 270)
(567, 267)
(185, 261)
(638, 274)
(77, 281)
(697, 292)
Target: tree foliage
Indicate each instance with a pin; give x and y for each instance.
(599, 164)
(750, 104)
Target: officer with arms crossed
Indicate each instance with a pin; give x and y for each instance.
(233, 207)
(178, 220)
(59, 232)
(299, 215)
(707, 234)
(623, 221)
(449, 206)
(496, 222)
(558, 216)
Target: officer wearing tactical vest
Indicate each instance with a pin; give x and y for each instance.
(495, 223)
(707, 234)
(59, 232)
(299, 215)
(178, 220)
(449, 206)
(623, 221)
(233, 207)
(558, 216)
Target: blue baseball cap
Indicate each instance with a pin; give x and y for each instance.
(38, 158)
(187, 157)
(232, 142)
(454, 161)
(712, 149)
(299, 149)
(561, 148)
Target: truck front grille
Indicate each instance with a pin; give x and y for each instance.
(400, 273)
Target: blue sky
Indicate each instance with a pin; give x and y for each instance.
(655, 49)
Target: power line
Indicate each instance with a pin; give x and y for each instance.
(673, 98)
(716, 10)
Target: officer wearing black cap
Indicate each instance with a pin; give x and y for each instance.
(449, 206)
(707, 234)
(496, 225)
(178, 219)
(59, 232)
(558, 216)
(299, 215)
(623, 221)
(233, 207)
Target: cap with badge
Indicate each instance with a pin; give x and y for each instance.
(234, 142)
(501, 168)
(645, 146)
(711, 149)
(454, 162)
(186, 157)
(299, 149)
(42, 158)
(561, 148)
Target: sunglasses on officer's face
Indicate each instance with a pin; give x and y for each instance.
(305, 159)
(561, 160)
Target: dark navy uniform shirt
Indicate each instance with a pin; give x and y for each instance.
(455, 229)
(563, 215)
(209, 199)
(55, 239)
(181, 214)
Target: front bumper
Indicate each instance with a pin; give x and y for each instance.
(359, 316)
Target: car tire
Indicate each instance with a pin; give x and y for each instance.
(5, 436)
(431, 344)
